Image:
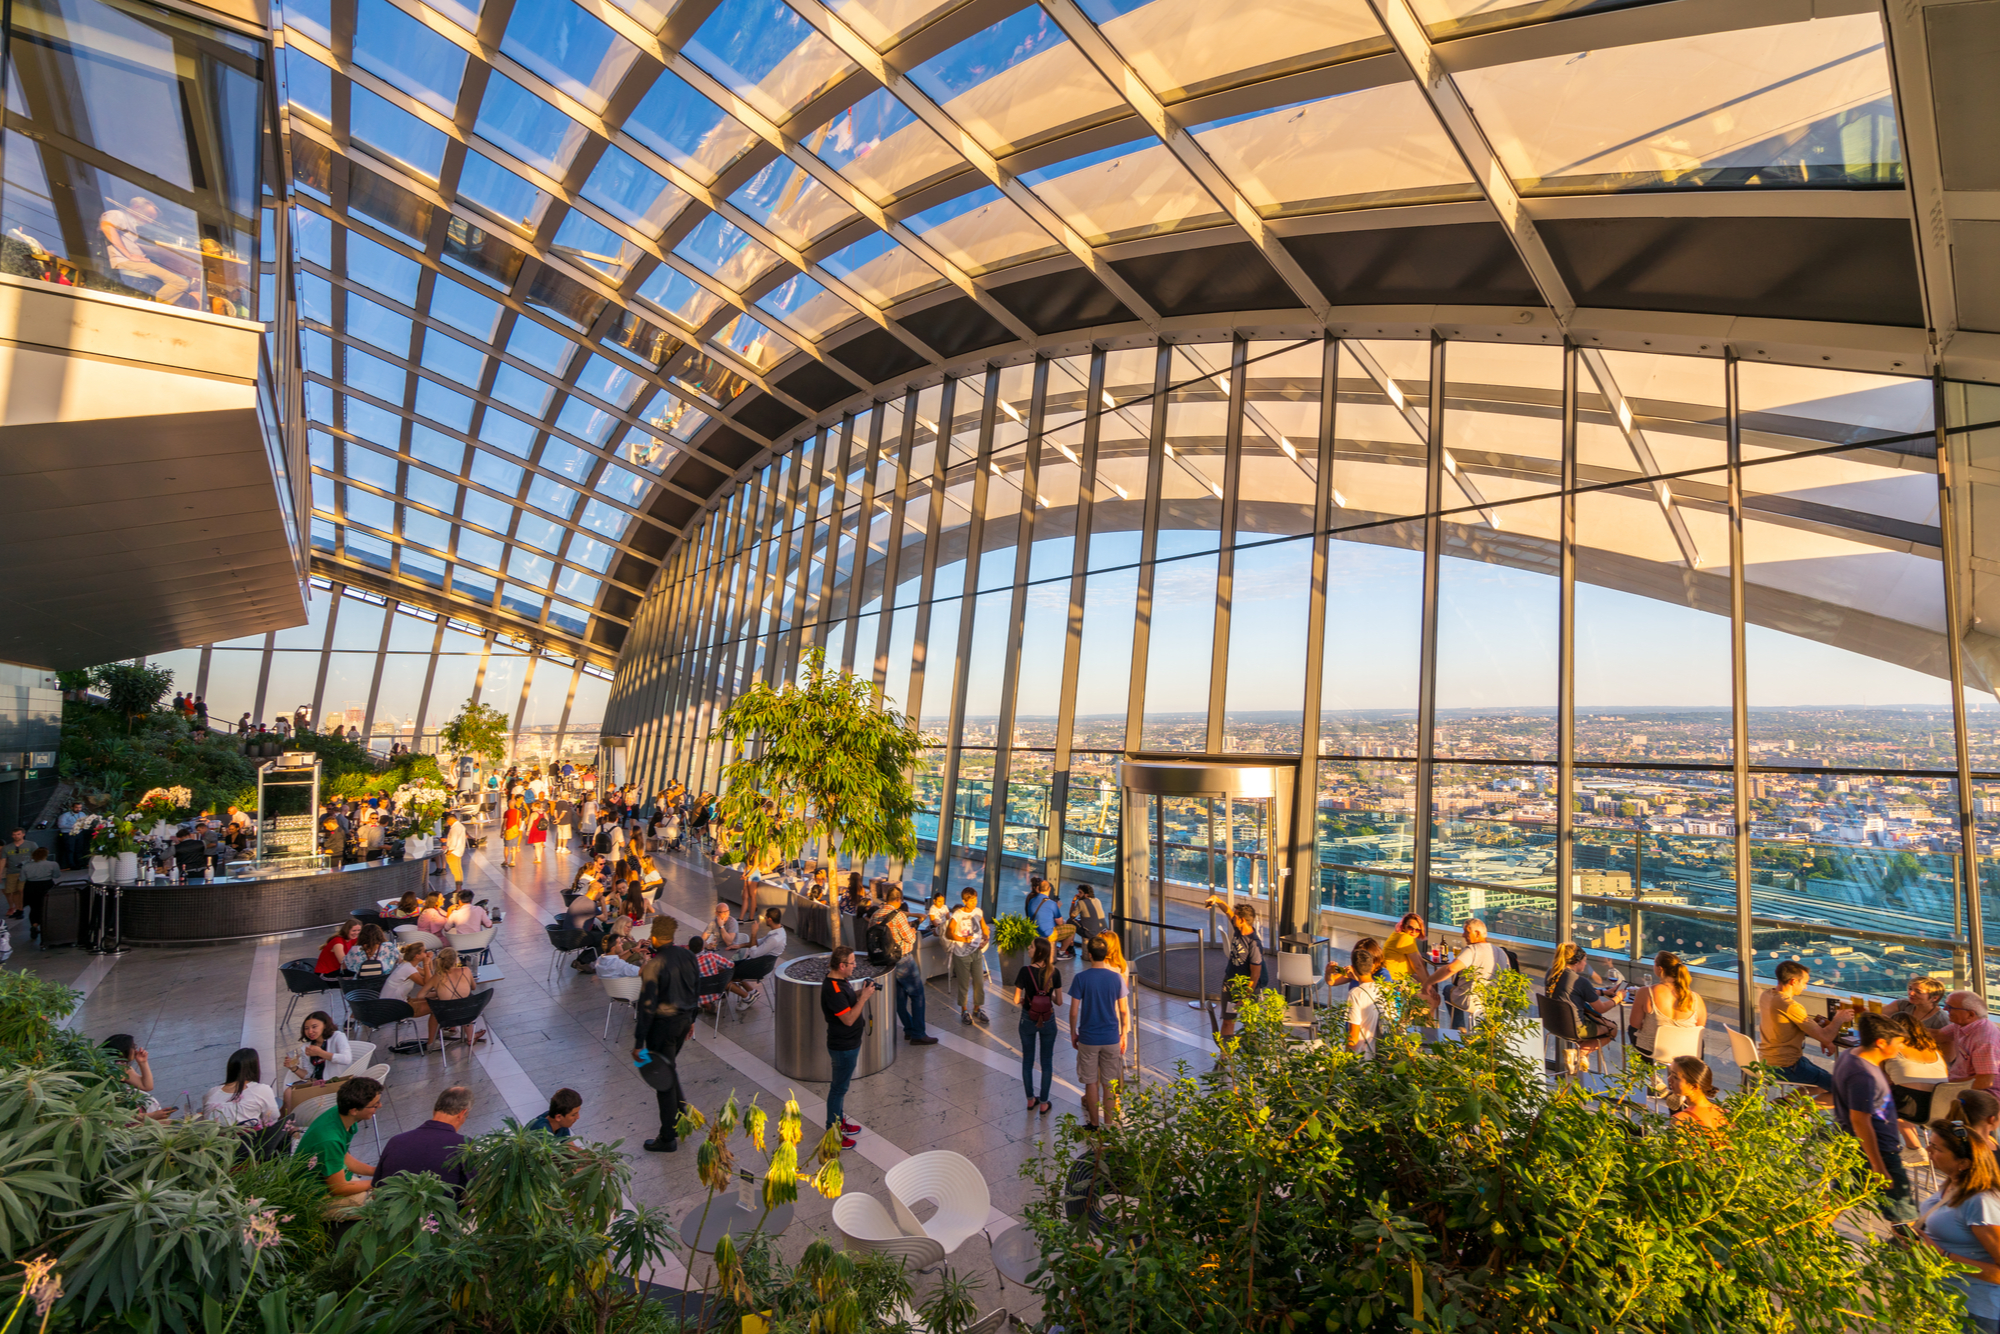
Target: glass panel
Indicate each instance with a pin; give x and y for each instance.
(1374, 637)
(290, 687)
(232, 682)
(451, 687)
(390, 43)
(1497, 633)
(1655, 867)
(1277, 475)
(986, 666)
(1125, 192)
(1180, 47)
(1788, 105)
(940, 660)
(1178, 658)
(1019, 81)
(1503, 419)
(571, 48)
(1366, 836)
(1652, 629)
(343, 702)
(139, 173)
(1676, 409)
(1844, 598)
(767, 55)
(880, 145)
(1493, 849)
(1267, 648)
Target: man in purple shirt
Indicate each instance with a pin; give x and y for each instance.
(430, 1147)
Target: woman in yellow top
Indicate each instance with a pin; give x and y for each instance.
(510, 833)
(1403, 953)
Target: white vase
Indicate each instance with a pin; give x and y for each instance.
(100, 869)
(128, 867)
(416, 847)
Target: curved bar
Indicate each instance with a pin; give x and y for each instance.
(209, 914)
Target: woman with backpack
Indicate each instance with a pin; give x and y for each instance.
(1038, 992)
(538, 829)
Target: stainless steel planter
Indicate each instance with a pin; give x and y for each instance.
(801, 1029)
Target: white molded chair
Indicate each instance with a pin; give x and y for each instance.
(1670, 1044)
(1296, 970)
(864, 1225)
(406, 934)
(380, 1074)
(358, 1054)
(1744, 1049)
(617, 989)
(949, 1180)
(474, 942)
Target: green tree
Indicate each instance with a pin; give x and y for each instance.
(818, 759)
(479, 730)
(133, 689)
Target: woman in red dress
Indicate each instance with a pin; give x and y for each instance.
(538, 828)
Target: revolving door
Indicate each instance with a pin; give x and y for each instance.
(1198, 837)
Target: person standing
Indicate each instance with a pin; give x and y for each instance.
(1865, 1106)
(1038, 991)
(846, 1009)
(1098, 1021)
(455, 843)
(66, 837)
(666, 1010)
(1245, 960)
(892, 940)
(965, 937)
(19, 853)
(37, 877)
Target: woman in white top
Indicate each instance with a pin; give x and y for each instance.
(403, 977)
(241, 1098)
(1915, 1073)
(318, 1060)
(1670, 1002)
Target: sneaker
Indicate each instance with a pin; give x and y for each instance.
(848, 1127)
(965, 1016)
(847, 1142)
(980, 1015)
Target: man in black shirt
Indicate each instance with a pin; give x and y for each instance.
(666, 1007)
(846, 1009)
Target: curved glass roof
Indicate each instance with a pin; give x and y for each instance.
(565, 268)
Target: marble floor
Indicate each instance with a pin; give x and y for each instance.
(191, 1007)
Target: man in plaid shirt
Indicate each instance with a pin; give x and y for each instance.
(708, 963)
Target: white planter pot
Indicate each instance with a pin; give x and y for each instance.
(416, 847)
(128, 867)
(100, 869)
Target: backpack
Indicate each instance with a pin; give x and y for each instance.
(884, 950)
(1041, 1005)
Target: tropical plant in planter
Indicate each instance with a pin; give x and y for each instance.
(821, 761)
(1013, 935)
(479, 730)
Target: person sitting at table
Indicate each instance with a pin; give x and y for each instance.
(1690, 1083)
(1913, 1073)
(1670, 1002)
(467, 917)
(1783, 1027)
(1925, 1000)
(1969, 1041)
(406, 908)
(324, 1146)
(857, 900)
(619, 959)
(434, 918)
(565, 1106)
(932, 923)
(767, 947)
(191, 855)
(433, 1146)
(708, 963)
(370, 956)
(447, 979)
(721, 932)
(318, 1061)
(1566, 981)
(242, 1097)
(333, 951)
(128, 255)
(1979, 1109)
(402, 980)
(1962, 1219)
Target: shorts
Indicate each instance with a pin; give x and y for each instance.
(1099, 1065)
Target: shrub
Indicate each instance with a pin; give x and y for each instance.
(1446, 1187)
(132, 688)
(1013, 933)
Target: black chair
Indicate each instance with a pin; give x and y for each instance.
(461, 1014)
(372, 1012)
(718, 987)
(566, 941)
(301, 980)
(1560, 1018)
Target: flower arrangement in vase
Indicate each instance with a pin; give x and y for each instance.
(164, 803)
(424, 805)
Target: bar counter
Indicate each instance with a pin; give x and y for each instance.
(225, 910)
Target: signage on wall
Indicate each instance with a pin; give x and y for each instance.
(41, 759)
(297, 759)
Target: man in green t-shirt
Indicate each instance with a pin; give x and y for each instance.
(325, 1144)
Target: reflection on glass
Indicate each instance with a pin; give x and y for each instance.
(1366, 835)
(1267, 648)
(132, 154)
(1178, 655)
(1493, 849)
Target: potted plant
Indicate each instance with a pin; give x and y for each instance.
(1013, 935)
(164, 807)
(425, 805)
(824, 762)
(116, 841)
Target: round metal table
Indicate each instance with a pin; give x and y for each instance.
(728, 1217)
(1016, 1255)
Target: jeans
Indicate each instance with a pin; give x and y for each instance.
(969, 971)
(1806, 1072)
(910, 996)
(843, 1075)
(1046, 1032)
